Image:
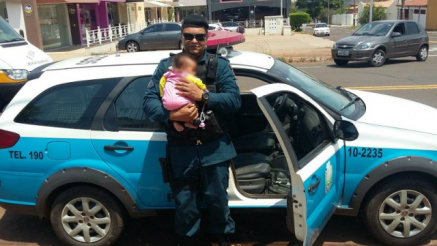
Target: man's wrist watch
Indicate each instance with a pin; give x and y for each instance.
(205, 97)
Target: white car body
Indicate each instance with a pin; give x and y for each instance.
(321, 29)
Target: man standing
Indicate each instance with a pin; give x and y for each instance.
(200, 168)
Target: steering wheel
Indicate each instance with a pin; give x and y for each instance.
(279, 106)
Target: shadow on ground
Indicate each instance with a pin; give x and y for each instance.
(254, 227)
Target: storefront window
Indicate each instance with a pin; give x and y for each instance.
(54, 27)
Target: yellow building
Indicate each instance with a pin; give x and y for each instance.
(431, 17)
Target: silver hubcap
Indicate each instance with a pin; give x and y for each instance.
(405, 213)
(85, 220)
(423, 53)
(378, 58)
(131, 47)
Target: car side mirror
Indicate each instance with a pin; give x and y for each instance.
(396, 34)
(22, 33)
(345, 130)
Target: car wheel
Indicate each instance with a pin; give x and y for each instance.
(402, 212)
(132, 46)
(223, 51)
(422, 55)
(341, 62)
(378, 58)
(181, 45)
(86, 216)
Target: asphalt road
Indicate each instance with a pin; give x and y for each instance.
(404, 78)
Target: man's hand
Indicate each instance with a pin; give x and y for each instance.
(189, 90)
(187, 113)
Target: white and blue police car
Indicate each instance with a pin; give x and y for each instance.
(76, 147)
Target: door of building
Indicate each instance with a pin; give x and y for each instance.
(74, 24)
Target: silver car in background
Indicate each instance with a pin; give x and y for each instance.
(378, 41)
(161, 36)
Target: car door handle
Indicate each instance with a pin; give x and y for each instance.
(312, 187)
(112, 147)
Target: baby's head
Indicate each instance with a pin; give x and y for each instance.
(185, 62)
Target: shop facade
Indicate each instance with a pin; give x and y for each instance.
(246, 10)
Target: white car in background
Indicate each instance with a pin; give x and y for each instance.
(321, 29)
(216, 27)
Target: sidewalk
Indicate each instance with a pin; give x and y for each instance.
(297, 47)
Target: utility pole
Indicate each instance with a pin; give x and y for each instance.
(355, 13)
(371, 11)
(328, 12)
(403, 10)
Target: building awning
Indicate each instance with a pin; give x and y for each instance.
(154, 4)
(65, 1)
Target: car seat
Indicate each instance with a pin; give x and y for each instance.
(252, 171)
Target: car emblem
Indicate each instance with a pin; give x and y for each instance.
(344, 45)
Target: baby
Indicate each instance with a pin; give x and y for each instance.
(184, 67)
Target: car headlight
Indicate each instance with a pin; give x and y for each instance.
(334, 46)
(13, 75)
(363, 46)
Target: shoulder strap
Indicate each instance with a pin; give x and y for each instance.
(211, 72)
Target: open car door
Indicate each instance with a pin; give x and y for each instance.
(314, 157)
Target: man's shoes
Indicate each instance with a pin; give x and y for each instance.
(223, 240)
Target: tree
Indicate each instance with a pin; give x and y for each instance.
(299, 18)
(378, 13)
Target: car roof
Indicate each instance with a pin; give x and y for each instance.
(238, 58)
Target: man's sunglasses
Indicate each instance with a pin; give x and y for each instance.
(189, 36)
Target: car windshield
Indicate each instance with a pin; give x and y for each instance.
(374, 29)
(336, 99)
(321, 25)
(7, 33)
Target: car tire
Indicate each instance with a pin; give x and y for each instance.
(101, 224)
(341, 62)
(181, 45)
(422, 55)
(132, 46)
(223, 51)
(391, 211)
(378, 58)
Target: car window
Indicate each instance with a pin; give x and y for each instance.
(154, 28)
(319, 91)
(400, 28)
(172, 27)
(129, 108)
(302, 123)
(246, 83)
(374, 29)
(321, 25)
(412, 28)
(71, 105)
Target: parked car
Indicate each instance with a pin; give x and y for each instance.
(321, 29)
(378, 41)
(17, 58)
(216, 27)
(161, 36)
(76, 147)
(233, 26)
